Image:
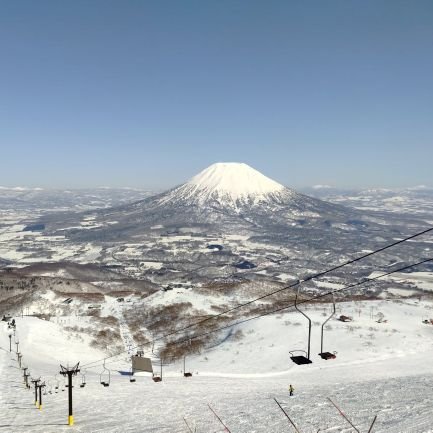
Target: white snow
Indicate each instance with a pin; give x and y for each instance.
(152, 265)
(382, 369)
(235, 179)
(228, 181)
(421, 280)
(321, 186)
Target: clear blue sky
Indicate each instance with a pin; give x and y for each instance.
(147, 93)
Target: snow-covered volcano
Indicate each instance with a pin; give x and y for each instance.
(228, 184)
(177, 228)
(230, 179)
(225, 197)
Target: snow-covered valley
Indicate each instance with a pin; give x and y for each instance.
(165, 275)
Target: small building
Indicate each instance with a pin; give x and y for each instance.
(141, 364)
(215, 247)
(245, 264)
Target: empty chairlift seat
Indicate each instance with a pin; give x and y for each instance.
(302, 357)
(105, 376)
(327, 355)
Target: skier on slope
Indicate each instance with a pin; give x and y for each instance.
(291, 389)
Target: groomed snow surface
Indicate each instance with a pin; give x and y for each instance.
(381, 368)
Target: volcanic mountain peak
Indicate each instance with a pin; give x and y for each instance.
(236, 180)
(225, 197)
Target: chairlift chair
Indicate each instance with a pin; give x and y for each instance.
(83, 380)
(328, 355)
(57, 384)
(131, 376)
(322, 354)
(302, 359)
(107, 373)
(186, 373)
(156, 377)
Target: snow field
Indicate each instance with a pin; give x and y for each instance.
(245, 406)
(391, 377)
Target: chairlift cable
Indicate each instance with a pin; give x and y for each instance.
(267, 313)
(298, 282)
(289, 287)
(302, 302)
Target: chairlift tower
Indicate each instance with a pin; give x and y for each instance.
(26, 376)
(66, 371)
(35, 383)
(40, 386)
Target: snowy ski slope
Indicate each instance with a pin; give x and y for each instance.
(388, 371)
